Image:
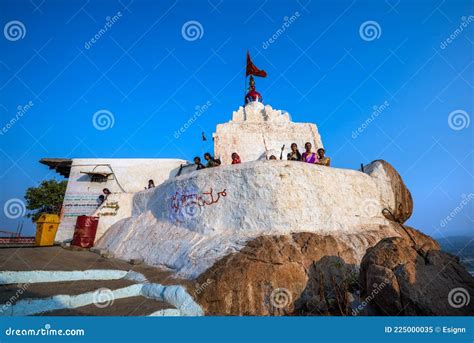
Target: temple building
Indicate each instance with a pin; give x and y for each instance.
(88, 177)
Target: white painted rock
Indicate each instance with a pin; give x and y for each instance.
(189, 222)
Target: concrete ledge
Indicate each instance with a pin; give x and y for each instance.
(175, 295)
(37, 276)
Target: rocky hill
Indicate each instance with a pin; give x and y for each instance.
(290, 238)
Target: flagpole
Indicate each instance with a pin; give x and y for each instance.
(203, 139)
(245, 77)
(245, 85)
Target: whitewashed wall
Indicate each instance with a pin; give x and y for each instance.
(130, 176)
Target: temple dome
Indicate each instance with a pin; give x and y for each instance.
(253, 95)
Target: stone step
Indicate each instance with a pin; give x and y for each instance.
(133, 306)
(14, 293)
(57, 258)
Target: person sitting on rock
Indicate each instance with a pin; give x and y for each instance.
(197, 162)
(211, 162)
(151, 184)
(100, 200)
(106, 192)
(295, 154)
(308, 156)
(235, 158)
(323, 160)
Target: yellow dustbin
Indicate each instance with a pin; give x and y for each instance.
(46, 227)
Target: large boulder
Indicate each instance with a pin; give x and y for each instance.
(395, 196)
(301, 273)
(313, 274)
(397, 277)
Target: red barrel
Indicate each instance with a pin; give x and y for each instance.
(84, 233)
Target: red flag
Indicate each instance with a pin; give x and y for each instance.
(252, 69)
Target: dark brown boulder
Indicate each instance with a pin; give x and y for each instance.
(422, 243)
(396, 278)
(313, 274)
(297, 274)
(264, 278)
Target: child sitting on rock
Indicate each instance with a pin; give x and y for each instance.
(197, 162)
(211, 162)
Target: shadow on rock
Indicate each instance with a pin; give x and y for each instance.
(330, 290)
(399, 278)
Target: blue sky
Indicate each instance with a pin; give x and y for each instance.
(323, 68)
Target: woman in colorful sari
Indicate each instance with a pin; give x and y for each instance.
(294, 155)
(323, 160)
(308, 156)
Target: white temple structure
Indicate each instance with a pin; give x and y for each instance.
(87, 177)
(256, 132)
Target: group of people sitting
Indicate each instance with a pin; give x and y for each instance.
(308, 156)
(210, 161)
(318, 157)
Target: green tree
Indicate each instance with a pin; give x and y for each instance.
(46, 198)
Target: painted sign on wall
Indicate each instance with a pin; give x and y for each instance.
(186, 204)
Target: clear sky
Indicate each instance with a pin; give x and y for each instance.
(152, 63)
